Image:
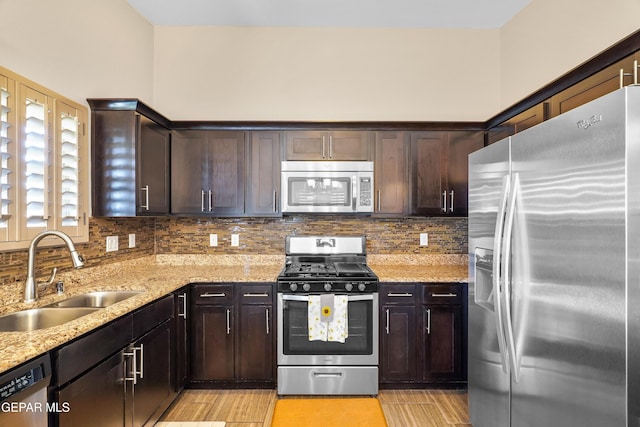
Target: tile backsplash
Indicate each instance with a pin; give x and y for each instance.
(265, 236)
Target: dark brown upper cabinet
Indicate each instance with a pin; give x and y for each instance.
(528, 118)
(263, 169)
(328, 145)
(207, 172)
(130, 158)
(439, 171)
(391, 180)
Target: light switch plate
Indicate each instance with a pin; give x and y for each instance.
(112, 243)
(213, 240)
(235, 240)
(424, 239)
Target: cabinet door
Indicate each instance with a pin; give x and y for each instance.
(153, 389)
(595, 86)
(153, 167)
(461, 144)
(442, 342)
(255, 343)
(188, 171)
(225, 172)
(349, 145)
(528, 118)
(398, 343)
(97, 398)
(306, 145)
(212, 353)
(391, 177)
(429, 195)
(182, 344)
(264, 174)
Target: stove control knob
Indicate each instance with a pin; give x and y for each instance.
(306, 287)
(349, 287)
(362, 287)
(293, 287)
(327, 286)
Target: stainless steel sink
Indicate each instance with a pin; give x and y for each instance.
(95, 299)
(41, 318)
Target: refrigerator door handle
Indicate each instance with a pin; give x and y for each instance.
(506, 267)
(497, 270)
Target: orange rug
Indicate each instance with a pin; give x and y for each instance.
(346, 412)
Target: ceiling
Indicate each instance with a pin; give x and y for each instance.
(478, 14)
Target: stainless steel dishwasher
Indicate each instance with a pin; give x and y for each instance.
(23, 394)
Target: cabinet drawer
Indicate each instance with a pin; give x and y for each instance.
(212, 294)
(442, 294)
(255, 294)
(401, 293)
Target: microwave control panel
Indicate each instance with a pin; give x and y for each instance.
(366, 191)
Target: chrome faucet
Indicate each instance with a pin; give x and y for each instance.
(30, 287)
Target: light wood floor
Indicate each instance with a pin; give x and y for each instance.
(254, 408)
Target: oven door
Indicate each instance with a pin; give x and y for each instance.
(359, 348)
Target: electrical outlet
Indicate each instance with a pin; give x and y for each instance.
(424, 239)
(112, 243)
(132, 240)
(213, 240)
(235, 240)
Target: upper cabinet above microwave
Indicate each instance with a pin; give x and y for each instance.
(348, 145)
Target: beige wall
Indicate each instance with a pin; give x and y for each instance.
(550, 37)
(316, 74)
(78, 48)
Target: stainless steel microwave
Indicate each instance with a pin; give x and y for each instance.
(327, 187)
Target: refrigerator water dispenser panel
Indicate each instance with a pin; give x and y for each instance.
(484, 278)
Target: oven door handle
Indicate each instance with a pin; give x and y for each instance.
(287, 297)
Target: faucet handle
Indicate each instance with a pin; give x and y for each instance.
(51, 278)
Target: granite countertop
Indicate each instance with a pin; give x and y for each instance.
(161, 275)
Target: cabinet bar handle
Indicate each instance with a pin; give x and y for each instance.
(428, 321)
(145, 206)
(451, 207)
(623, 75)
(264, 294)
(210, 200)
(228, 321)
(141, 350)
(266, 315)
(323, 156)
(134, 368)
(444, 201)
(202, 200)
(331, 146)
(635, 72)
(448, 295)
(406, 294)
(184, 306)
(386, 328)
(275, 201)
(379, 209)
(208, 295)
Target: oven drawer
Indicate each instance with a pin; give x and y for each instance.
(442, 294)
(401, 293)
(212, 294)
(343, 380)
(255, 294)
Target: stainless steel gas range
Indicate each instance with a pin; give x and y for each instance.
(327, 318)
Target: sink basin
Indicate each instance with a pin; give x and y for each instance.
(41, 318)
(95, 299)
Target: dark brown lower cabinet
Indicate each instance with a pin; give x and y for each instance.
(422, 335)
(232, 335)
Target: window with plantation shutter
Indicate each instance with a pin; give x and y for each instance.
(36, 152)
(44, 169)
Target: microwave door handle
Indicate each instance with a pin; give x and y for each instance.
(354, 193)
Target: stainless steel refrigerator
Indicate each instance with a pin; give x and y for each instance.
(554, 265)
